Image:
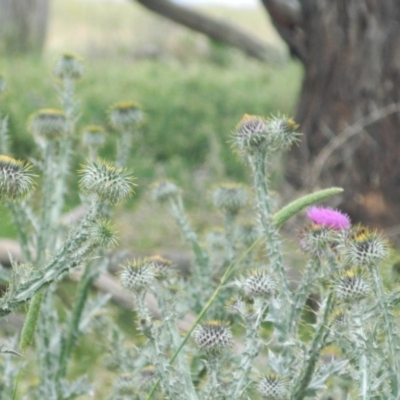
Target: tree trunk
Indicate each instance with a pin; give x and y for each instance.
(349, 106)
(23, 25)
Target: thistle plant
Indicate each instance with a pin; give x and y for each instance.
(49, 254)
(253, 335)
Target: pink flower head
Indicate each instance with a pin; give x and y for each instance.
(328, 217)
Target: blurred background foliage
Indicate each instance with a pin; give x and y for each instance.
(193, 90)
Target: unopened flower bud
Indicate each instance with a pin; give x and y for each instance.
(351, 285)
(316, 238)
(283, 132)
(248, 233)
(251, 133)
(255, 133)
(93, 136)
(259, 283)
(163, 191)
(273, 387)
(340, 320)
(103, 234)
(125, 115)
(49, 124)
(161, 265)
(216, 239)
(137, 275)
(236, 305)
(213, 337)
(365, 247)
(69, 66)
(110, 183)
(230, 198)
(15, 179)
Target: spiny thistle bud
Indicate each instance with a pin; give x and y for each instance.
(69, 66)
(351, 285)
(230, 197)
(259, 283)
(93, 136)
(137, 275)
(315, 238)
(163, 191)
(213, 337)
(283, 132)
(255, 133)
(248, 233)
(110, 183)
(49, 124)
(3, 84)
(125, 115)
(103, 234)
(161, 265)
(216, 239)
(365, 247)
(236, 305)
(251, 133)
(273, 387)
(339, 319)
(15, 179)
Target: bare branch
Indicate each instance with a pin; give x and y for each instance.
(218, 30)
(286, 15)
(320, 162)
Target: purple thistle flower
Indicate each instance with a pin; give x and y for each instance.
(328, 217)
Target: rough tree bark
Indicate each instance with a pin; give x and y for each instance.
(23, 25)
(218, 30)
(350, 100)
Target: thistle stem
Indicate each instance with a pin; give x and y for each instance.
(264, 201)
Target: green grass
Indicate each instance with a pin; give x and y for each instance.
(190, 109)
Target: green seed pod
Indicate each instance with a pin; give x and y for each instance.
(125, 115)
(110, 183)
(230, 197)
(273, 387)
(15, 179)
(213, 337)
(49, 124)
(137, 275)
(68, 66)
